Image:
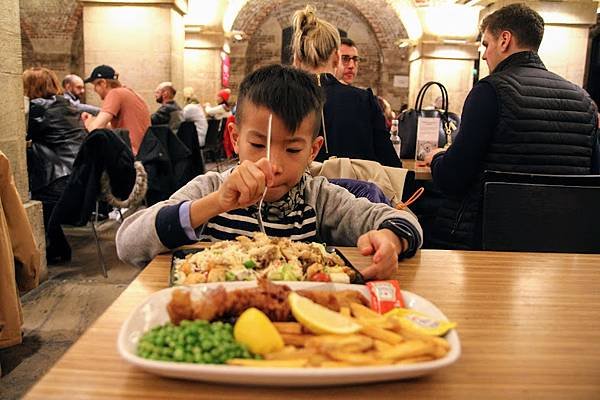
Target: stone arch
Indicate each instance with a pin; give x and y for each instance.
(384, 59)
(48, 32)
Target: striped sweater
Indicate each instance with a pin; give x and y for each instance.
(316, 211)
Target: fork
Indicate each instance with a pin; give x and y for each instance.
(260, 203)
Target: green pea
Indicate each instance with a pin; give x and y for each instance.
(178, 354)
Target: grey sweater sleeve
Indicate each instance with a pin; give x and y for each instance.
(137, 239)
(342, 218)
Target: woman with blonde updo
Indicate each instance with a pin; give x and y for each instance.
(353, 124)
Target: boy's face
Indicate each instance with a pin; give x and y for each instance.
(290, 154)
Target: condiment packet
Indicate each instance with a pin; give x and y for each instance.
(385, 295)
(419, 323)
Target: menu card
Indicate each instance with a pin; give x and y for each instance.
(428, 130)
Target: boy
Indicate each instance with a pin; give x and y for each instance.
(220, 206)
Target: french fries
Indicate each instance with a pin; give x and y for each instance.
(295, 339)
(288, 327)
(380, 341)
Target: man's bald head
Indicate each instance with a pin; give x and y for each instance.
(73, 84)
(164, 92)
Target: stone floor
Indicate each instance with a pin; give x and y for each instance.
(63, 307)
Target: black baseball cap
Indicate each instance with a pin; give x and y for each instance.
(102, 72)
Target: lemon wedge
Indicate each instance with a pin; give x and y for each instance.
(254, 330)
(319, 319)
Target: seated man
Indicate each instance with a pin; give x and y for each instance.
(169, 113)
(521, 118)
(73, 88)
(121, 107)
(281, 104)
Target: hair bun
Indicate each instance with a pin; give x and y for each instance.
(305, 20)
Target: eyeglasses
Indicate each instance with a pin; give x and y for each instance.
(346, 59)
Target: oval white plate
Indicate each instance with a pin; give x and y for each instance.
(154, 312)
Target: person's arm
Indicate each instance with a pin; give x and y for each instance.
(384, 149)
(156, 229)
(88, 108)
(377, 229)
(99, 122)
(111, 106)
(454, 170)
(215, 111)
(596, 155)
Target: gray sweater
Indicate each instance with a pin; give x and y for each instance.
(340, 217)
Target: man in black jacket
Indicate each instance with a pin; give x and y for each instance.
(521, 118)
(169, 113)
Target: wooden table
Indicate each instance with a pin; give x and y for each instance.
(421, 173)
(528, 324)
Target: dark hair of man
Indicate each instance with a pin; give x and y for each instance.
(289, 93)
(347, 42)
(526, 25)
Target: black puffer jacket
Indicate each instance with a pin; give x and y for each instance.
(545, 125)
(56, 132)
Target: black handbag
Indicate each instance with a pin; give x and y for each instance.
(408, 122)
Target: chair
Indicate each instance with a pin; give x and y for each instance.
(214, 141)
(547, 213)
(167, 161)
(391, 181)
(188, 135)
(104, 167)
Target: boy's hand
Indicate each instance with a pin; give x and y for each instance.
(385, 247)
(245, 185)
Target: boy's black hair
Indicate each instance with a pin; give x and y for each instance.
(526, 25)
(288, 92)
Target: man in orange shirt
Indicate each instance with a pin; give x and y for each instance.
(121, 106)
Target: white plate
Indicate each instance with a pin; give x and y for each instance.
(153, 312)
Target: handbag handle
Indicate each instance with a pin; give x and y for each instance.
(421, 97)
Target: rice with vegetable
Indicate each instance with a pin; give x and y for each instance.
(277, 259)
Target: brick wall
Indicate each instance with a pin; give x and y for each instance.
(372, 24)
(52, 35)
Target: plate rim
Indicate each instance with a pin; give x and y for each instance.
(212, 371)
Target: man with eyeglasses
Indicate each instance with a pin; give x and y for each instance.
(349, 58)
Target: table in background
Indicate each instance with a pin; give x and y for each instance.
(421, 173)
(528, 325)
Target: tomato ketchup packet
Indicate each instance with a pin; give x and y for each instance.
(385, 295)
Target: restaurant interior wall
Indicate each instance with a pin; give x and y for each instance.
(143, 42)
(204, 41)
(446, 52)
(12, 128)
(372, 24)
(202, 71)
(52, 35)
(451, 65)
